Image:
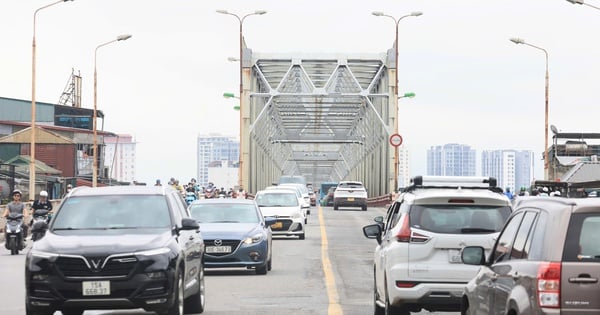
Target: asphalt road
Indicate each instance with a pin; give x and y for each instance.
(323, 276)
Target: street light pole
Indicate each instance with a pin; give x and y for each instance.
(241, 52)
(32, 141)
(396, 127)
(95, 128)
(546, 96)
(584, 3)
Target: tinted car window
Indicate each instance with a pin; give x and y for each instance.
(505, 241)
(583, 237)
(520, 249)
(224, 213)
(456, 219)
(112, 212)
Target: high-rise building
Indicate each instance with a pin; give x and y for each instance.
(451, 160)
(119, 158)
(513, 169)
(216, 147)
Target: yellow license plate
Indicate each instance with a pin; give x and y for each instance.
(277, 225)
(351, 199)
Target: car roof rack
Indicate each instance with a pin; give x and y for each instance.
(454, 182)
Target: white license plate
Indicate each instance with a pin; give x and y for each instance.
(454, 256)
(95, 288)
(218, 249)
(350, 198)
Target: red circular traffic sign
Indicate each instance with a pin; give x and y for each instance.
(396, 140)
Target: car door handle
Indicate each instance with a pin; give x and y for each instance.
(583, 280)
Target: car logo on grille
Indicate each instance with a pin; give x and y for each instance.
(96, 263)
(218, 242)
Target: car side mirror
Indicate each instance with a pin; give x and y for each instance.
(473, 255)
(189, 224)
(373, 231)
(270, 221)
(378, 219)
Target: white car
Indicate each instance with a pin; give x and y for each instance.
(350, 194)
(298, 192)
(283, 205)
(303, 189)
(417, 263)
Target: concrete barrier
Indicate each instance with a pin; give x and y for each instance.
(54, 202)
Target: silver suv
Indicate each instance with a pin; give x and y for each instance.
(546, 261)
(417, 263)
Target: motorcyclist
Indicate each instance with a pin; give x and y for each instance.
(16, 206)
(42, 203)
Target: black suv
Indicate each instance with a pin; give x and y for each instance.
(118, 248)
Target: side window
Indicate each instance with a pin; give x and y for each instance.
(520, 248)
(391, 216)
(176, 206)
(506, 239)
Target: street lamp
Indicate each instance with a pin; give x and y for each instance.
(584, 3)
(521, 41)
(241, 35)
(231, 95)
(396, 128)
(95, 147)
(32, 144)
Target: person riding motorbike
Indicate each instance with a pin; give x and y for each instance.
(42, 203)
(16, 207)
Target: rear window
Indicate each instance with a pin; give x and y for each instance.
(351, 185)
(459, 219)
(277, 200)
(582, 238)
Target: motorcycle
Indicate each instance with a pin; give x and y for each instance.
(14, 233)
(209, 193)
(39, 224)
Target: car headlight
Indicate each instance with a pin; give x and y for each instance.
(253, 239)
(154, 252)
(37, 261)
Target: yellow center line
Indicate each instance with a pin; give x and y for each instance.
(334, 307)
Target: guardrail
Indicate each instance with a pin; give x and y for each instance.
(381, 201)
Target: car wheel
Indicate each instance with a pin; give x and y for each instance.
(335, 206)
(301, 236)
(195, 303)
(262, 270)
(364, 208)
(270, 264)
(464, 308)
(72, 311)
(378, 309)
(177, 307)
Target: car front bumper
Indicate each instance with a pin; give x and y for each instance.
(250, 256)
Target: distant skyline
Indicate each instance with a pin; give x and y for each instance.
(164, 86)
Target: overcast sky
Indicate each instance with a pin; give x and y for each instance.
(164, 85)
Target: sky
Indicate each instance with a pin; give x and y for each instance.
(164, 85)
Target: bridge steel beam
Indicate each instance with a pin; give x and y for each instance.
(327, 117)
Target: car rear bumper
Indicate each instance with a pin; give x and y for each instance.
(430, 296)
(350, 202)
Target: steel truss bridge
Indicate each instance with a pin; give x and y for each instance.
(327, 117)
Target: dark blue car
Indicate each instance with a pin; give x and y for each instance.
(235, 233)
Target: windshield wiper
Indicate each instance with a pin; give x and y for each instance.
(476, 230)
(225, 221)
(65, 229)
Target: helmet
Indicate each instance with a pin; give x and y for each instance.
(16, 191)
(43, 193)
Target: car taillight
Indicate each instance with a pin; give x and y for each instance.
(548, 283)
(404, 233)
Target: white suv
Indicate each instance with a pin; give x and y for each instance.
(417, 262)
(350, 194)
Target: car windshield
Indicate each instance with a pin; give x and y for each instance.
(112, 212)
(277, 200)
(459, 219)
(224, 213)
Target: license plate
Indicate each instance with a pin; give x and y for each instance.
(277, 225)
(454, 256)
(350, 198)
(95, 288)
(218, 249)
